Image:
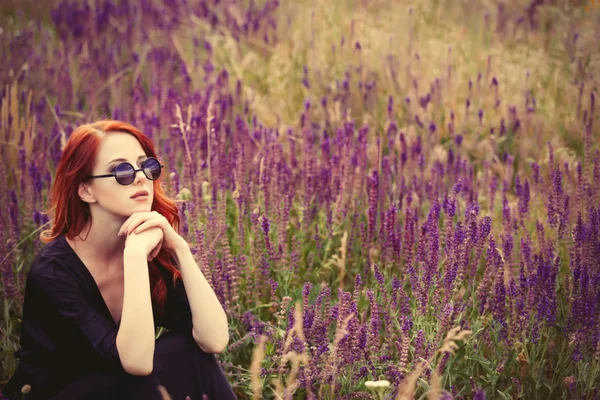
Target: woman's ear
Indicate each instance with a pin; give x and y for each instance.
(85, 193)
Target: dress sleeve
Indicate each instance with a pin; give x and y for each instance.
(178, 314)
(60, 288)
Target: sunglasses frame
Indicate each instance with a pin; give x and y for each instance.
(135, 171)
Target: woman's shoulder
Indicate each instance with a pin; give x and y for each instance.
(53, 259)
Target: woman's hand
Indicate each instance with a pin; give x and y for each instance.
(149, 241)
(139, 222)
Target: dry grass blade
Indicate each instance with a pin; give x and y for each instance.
(184, 128)
(209, 131)
(112, 80)
(258, 355)
(21, 123)
(277, 388)
(463, 335)
(448, 347)
(435, 392)
(451, 333)
(163, 392)
(63, 135)
(339, 335)
(340, 261)
(296, 328)
(408, 385)
(454, 335)
(292, 383)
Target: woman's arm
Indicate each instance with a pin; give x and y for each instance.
(210, 328)
(209, 321)
(54, 281)
(135, 339)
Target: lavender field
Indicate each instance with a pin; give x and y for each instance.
(391, 199)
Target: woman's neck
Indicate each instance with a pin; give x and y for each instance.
(99, 242)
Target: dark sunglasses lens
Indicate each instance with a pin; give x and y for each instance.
(124, 173)
(152, 168)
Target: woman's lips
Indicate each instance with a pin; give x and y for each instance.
(140, 198)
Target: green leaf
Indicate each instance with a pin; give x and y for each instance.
(481, 360)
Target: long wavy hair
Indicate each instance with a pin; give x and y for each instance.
(71, 214)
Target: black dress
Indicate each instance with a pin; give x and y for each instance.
(68, 341)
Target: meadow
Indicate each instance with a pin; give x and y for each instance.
(391, 199)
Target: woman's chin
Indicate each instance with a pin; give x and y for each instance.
(141, 208)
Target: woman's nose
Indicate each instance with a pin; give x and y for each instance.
(139, 176)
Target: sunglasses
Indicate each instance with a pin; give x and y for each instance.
(125, 173)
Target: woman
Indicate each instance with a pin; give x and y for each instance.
(114, 268)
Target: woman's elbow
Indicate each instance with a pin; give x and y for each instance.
(136, 360)
(213, 349)
(139, 366)
(216, 347)
(139, 370)
(221, 345)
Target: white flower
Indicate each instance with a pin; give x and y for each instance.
(184, 194)
(377, 384)
(379, 387)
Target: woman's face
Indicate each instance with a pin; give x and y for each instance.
(110, 195)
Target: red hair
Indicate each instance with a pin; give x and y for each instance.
(71, 214)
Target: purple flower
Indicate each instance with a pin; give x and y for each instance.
(502, 127)
(378, 275)
(305, 293)
(407, 325)
(536, 172)
(479, 393)
(472, 208)
(505, 206)
(524, 198)
(485, 227)
(418, 122)
(396, 285)
(373, 204)
(265, 228)
(450, 206)
(419, 344)
(14, 213)
(457, 187)
(305, 80)
(458, 139)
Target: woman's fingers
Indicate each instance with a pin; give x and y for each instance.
(155, 251)
(135, 220)
(158, 248)
(132, 221)
(127, 224)
(147, 224)
(147, 240)
(134, 224)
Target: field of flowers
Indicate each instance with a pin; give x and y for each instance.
(391, 199)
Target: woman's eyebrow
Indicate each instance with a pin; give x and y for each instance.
(122, 159)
